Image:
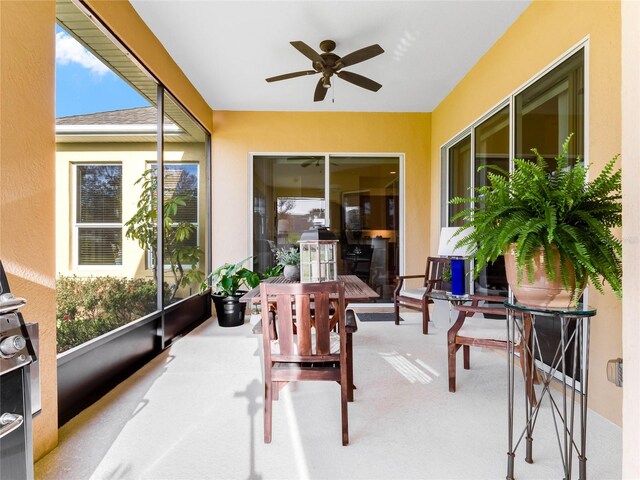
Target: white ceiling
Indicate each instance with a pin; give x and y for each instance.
(228, 48)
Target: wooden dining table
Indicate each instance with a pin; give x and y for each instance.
(354, 290)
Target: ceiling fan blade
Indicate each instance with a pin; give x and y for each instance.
(360, 56)
(359, 80)
(291, 75)
(320, 92)
(307, 51)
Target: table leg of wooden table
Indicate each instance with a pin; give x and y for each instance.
(350, 386)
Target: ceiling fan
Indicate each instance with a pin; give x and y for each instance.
(328, 63)
(307, 161)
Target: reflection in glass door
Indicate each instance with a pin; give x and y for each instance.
(358, 197)
(288, 198)
(491, 139)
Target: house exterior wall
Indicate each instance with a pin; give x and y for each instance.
(237, 134)
(135, 158)
(544, 32)
(27, 148)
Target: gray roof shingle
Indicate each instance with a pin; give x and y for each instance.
(129, 116)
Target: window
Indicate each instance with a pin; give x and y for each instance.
(545, 113)
(99, 214)
(182, 181)
(459, 164)
(112, 137)
(551, 109)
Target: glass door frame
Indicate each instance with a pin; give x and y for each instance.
(327, 185)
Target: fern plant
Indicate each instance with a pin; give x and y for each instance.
(558, 212)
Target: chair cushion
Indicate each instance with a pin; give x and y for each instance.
(334, 344)
(416, 293)
(486, 329)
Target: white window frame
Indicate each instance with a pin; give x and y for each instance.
(75, 242)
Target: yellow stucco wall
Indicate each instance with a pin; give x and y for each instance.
(544, 32)
(237, 134)
(27, 148)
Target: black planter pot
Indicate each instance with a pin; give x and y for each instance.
(229, 309)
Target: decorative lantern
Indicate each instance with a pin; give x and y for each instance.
(318, 258)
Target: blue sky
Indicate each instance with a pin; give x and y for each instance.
(85, 85)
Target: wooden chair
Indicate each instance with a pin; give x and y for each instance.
(490, 332)
(416, 298)
(314, 351)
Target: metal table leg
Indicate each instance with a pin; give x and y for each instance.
(573, 346)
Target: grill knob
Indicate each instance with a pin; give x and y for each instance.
(11, 345)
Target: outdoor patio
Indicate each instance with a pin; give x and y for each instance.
(195, 412)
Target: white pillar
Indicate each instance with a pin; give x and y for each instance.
(631, 237)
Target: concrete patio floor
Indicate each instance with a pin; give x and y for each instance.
(195, 412)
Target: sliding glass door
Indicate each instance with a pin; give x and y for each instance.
(358, 197)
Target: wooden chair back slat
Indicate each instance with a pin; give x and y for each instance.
(435, 271)
(322, 320)
(284, 319)
(303, 316)
(303, 324)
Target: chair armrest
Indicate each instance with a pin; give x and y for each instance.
(400, 281)
(402, 277)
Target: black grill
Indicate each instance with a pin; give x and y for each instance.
(17, 358)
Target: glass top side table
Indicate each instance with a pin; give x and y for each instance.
(573, 345)
(444, 295)
(449, 297)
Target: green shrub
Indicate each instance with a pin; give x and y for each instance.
(90, 307)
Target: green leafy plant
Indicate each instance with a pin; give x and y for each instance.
(90, 307)
(446, 273)
(558, 212)
(288, 256)
(228, 278)
(182, 257)
(274, 271)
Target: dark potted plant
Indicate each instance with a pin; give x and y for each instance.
(446, 278)
(553, 227)
(226, 282)
(289, 258)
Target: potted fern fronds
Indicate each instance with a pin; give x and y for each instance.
(553, 227)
